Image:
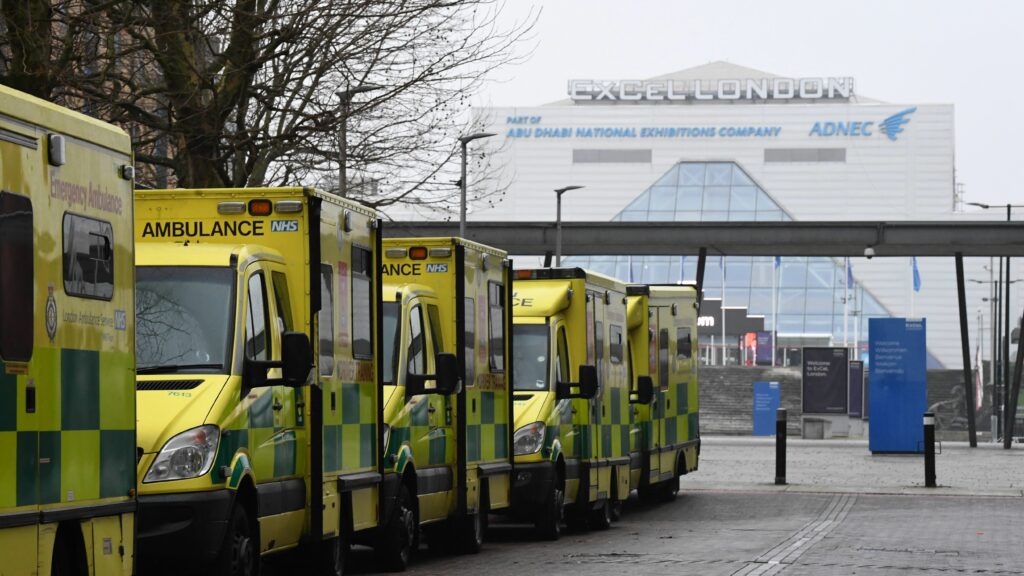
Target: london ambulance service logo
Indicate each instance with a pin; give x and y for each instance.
(51, 314)
(893, 125)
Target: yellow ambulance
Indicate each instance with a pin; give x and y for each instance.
(67, 336)
(259, 410)
(571, 398)
(665, 436)
(447, 410)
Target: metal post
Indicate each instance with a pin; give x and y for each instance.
(965, 347)
(1007, 400)
(992, 378)
(929, 449)
(558, 229)
(462, 194)
(1011, 405)
(997, 407)
(780, 446)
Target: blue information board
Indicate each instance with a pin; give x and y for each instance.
(766, 402)
(898, 384)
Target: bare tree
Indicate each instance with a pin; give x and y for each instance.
(244, 92)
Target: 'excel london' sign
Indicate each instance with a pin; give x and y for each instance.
(764, 89)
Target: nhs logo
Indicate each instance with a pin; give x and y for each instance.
(284, 226)
(891, 127)
(437, 267)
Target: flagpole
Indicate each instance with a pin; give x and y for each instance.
(775, 307)
(912, 287)
(721, 261)
(846, 306)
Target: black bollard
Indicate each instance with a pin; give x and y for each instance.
(929, 450)
(780, 446)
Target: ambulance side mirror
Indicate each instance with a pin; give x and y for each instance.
(586, 388)
(644, 393)
(446, 377)
(296, 357)
(295, 364)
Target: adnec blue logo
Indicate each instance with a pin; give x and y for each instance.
(891, 127)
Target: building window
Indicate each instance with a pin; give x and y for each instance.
(88, 257)
(17, 277)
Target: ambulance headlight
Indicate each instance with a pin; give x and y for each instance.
(529, 439)
(187, 455)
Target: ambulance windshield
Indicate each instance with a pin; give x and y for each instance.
(530, 360)
(183, 319)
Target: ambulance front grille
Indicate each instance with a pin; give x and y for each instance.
(167, 384)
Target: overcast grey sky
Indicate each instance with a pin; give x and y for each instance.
(965, 53)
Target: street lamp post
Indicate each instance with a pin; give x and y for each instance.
(464, 140)
(558, 222)
(1007, 425)
(346, 99)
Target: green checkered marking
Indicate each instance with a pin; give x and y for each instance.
(624, 438)
(8, 402)
(616, 406)
(332, 448)
(472, 442)
(682, 398)
(230, 441)
(606, 440)
(693, 425)
(487, 408)
(284, 454)
(261, 414)
(367, 445)
(117, 462)
(350, 403)
(79, 390)
(28, 472)
(49, 474)
(501, 440)
(670, 432)
(437, 449)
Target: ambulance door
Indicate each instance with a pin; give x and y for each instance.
(666, 401)
(288, 402)
(262, 340)
(655, 419)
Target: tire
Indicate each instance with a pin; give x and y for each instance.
(668, 489)
(471, 532)
(239, 555)
(69, 553)
(333, 553)
(549, 520)
(399, 539)
(601, 517)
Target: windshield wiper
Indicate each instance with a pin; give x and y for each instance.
(171, 368)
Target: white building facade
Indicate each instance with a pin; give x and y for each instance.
(723, 142)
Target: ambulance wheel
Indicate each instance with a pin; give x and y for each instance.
(400, 533)
(239, 556)
(668, 489)
(333, 553)
(601, 517)
(69, 553)
(472, 529)
(549, 520)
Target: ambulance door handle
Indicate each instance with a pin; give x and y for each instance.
(277, 405)
(431, 409)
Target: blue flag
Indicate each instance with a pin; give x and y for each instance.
(849, 273)
(778, 261)
(917, 276)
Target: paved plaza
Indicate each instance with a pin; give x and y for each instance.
(844, 511)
